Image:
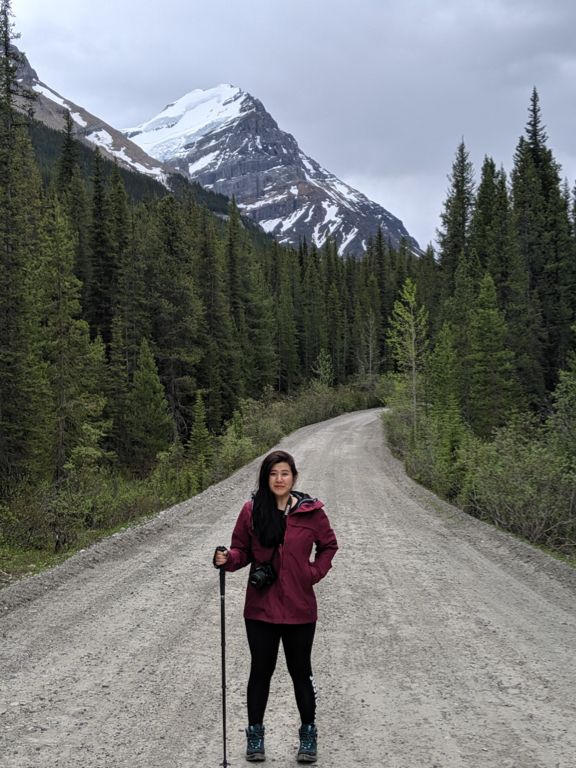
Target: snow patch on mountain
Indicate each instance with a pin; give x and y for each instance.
(187, 120)
(103, 139)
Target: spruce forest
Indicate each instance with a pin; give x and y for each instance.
(151, 341)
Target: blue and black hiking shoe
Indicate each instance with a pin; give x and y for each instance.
(308, 744)
(255, 743)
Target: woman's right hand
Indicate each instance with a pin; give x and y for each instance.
(221, 555)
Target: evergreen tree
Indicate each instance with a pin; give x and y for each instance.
(489, 227)
(428, 286)
(312, 315)
(489, 364)
(366, 330)
(457, 312)
(149, 422)
(104, 265)
(173, 305)
(261, 330)
(236, 273)
(337, 341)
(454, 237)
(220, 372)
(446, 428)
(287, 348)
(200, 447)
(74, 378)
(543, 230)
(119, 375)
(408, 341)
(562, 423)
(137, 301)
(119, 216)
(387, 286)
(494, 244)
(69, 157)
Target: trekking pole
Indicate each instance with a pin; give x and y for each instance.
(225, 762)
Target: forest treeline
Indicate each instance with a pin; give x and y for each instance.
(150, 345)
(484, 402)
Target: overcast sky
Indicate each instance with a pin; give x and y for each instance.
(378, 92)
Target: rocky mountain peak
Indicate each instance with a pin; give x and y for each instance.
(225, 139)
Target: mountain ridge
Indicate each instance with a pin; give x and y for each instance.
(50, 108)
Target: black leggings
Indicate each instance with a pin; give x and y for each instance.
(264, 641)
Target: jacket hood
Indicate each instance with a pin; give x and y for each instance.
(305, 503)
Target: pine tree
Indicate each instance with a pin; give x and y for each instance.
(312, 315)
(446, 428)
(562, 423)
(489, 230)
(286, 334)
(68, 160)
(337, 342)
(149, 423)
(219, 371)
(543, 230)
(236, 274)
(428, 286)
(200, 446)
(454, 238)
(367, 329)
(261, 330)
(489, 364)
(173, 305)
(73, 196)
(104, 265)
(494, 244)
(74, 381)
(408, 341)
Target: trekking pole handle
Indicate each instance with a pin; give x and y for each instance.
(218, 549)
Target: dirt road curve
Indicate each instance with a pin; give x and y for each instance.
(441, 642)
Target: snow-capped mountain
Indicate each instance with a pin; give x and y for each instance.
(224, 139)
(50, 108)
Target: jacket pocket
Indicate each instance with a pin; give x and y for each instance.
(313, 573)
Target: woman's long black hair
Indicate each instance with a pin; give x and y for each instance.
(268, 524)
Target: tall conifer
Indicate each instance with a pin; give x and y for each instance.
(104, 264)
(489, 364)
(74, 379)
(148, 419)
(454, 237)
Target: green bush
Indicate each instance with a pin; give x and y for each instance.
(522, 484)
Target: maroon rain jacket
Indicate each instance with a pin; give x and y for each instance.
(290, 599)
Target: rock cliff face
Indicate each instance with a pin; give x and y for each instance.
(226, 140)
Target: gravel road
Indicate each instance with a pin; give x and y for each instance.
(441, 642)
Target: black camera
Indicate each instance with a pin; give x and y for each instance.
(262, 576)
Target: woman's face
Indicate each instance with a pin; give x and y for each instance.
(281, 479)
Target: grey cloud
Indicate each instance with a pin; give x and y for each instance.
(376, 90)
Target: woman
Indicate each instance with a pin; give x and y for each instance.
(276, 533)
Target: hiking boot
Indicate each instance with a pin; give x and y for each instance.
(308, 744)
(255, 743)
